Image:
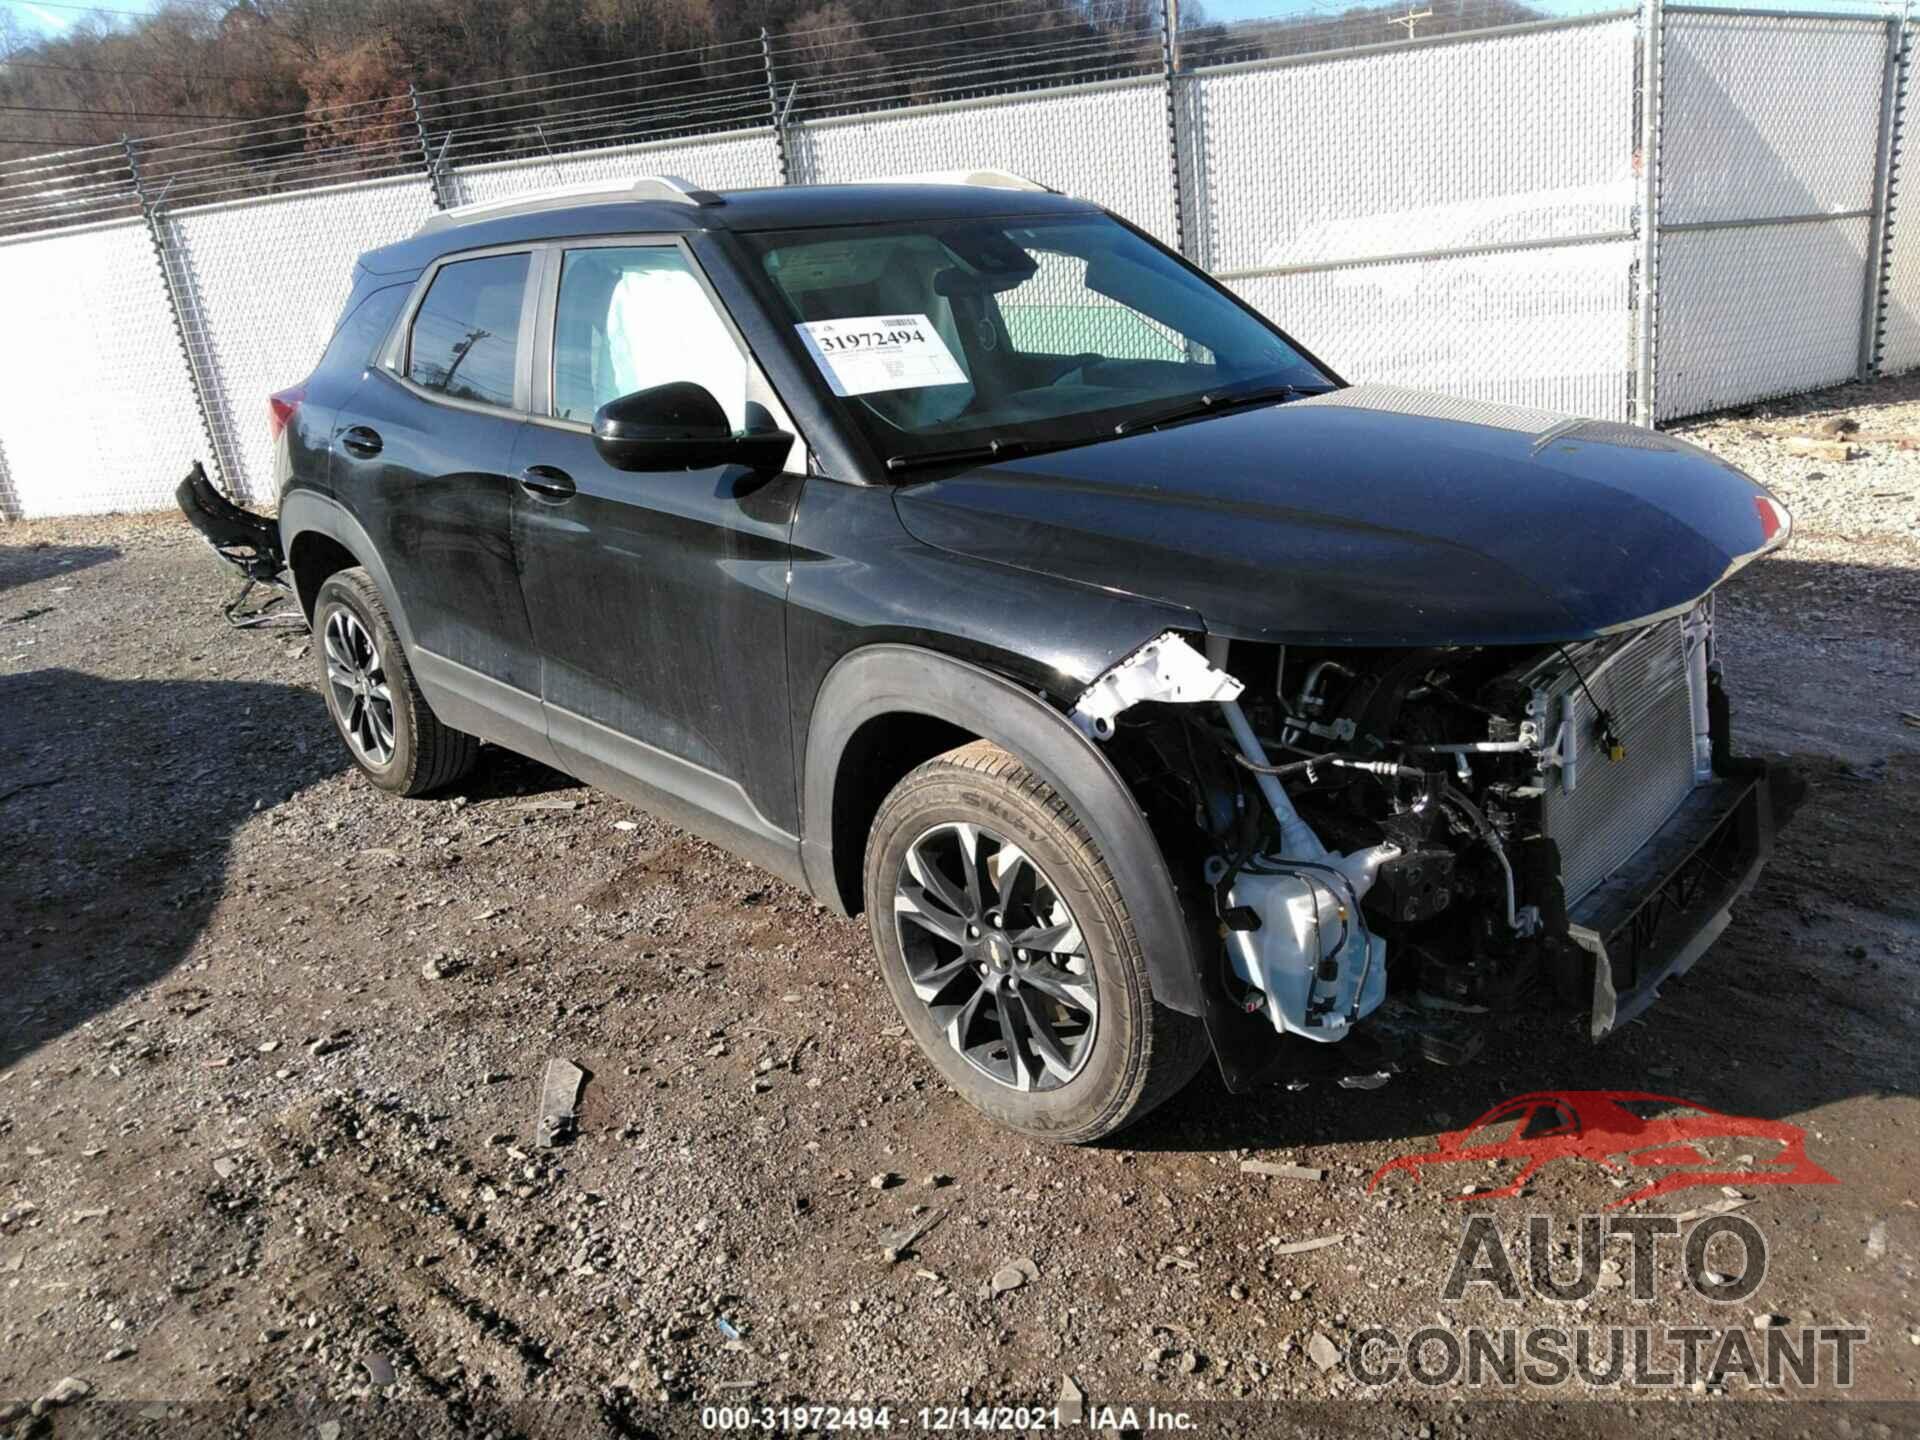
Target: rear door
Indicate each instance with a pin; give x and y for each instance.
(424, 455)
(658, 600)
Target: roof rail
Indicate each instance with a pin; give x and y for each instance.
(984, 179)
(669, 188)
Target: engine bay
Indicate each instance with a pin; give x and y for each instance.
(1407, 822)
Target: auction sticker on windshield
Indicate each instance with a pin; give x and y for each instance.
(867, 353)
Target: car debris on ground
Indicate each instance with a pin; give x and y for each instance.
(1304, 1247)
(899, 1242)
(559, 1094)
(1282, 1172)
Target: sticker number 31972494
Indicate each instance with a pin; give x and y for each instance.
(868, 353)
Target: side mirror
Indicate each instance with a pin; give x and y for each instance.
(680, 427)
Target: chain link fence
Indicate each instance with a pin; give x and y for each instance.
(1769, 195)
(1106, 141)
(1484, 245)
(721, 162)
(1632, 213)
(97, 410)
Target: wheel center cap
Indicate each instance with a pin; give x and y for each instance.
(999, 951)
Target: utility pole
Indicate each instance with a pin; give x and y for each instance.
(1410, 19)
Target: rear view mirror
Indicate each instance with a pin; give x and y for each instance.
(954, 283)
(680, 427)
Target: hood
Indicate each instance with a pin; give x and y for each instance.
(1371, 516)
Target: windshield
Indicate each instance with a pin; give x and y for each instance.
(950, 336)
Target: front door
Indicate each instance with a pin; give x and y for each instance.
(657, 600)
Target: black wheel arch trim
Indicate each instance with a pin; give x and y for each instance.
(304, 512)
(886, 679)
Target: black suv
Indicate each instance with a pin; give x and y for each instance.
(963, 556)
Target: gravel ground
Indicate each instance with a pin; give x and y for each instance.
(271, 1044)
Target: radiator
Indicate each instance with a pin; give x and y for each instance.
(1614, 806)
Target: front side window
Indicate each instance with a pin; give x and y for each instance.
(944, 335)
(466, 334)
(633, 317)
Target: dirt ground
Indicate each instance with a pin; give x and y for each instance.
(271, 1044)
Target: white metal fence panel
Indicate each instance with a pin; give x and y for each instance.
(1767, 115)
(1469, 146)
(1443, 146)
(1542, 328)
(96, 411)
(1106, 142)
(1767, 123)
(1750, 313)
(262, 283)
(718, 162)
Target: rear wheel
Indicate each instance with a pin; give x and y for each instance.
(390, 731)
(1011, 955)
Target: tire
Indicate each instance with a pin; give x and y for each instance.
(398, 743)
(1110, 1053)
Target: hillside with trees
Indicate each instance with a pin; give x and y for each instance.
(335, 74)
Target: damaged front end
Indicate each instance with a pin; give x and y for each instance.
(1475, 831)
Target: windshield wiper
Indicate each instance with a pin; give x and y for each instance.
(992, 450)
(1211, 404)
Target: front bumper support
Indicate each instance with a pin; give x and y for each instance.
(1660, 911)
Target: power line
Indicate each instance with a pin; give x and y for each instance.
(146, 74)
(88, 9)
(116, 114)
(65, 140)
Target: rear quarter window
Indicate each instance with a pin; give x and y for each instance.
(365, 326)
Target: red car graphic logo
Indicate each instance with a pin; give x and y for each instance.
(1685, 1144)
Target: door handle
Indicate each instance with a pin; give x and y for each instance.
(546, 483)
(359, 440)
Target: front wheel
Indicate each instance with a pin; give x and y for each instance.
(1011, 955)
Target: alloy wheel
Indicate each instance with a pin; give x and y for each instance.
(361, 695)
(997, 957)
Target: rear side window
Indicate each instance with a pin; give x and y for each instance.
(363, 328)
(466, 334)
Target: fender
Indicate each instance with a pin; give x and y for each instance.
(309, 512)
(893, 679)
